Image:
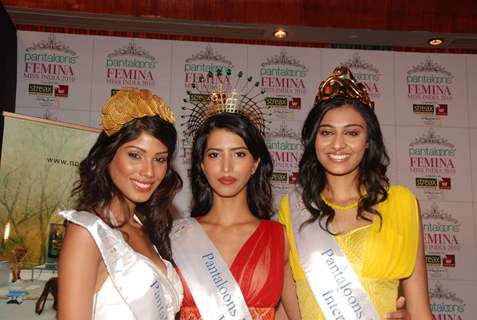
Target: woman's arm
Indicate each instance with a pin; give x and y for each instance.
(415, 287)
(289, 298)
(77, 272)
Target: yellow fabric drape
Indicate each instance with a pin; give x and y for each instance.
(380, 255)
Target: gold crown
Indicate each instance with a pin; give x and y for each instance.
(130, 103)
(244, 101)
(341, 83)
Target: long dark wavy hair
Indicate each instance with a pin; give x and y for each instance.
(95, 189)
(372, 168)
(259, 191)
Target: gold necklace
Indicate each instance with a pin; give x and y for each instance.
(336, 206)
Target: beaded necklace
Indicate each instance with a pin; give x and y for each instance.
(338, 207)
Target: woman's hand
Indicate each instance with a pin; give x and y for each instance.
(401, 312)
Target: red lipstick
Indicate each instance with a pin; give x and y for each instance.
(227, 180)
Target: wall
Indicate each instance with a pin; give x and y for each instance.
(425, 103)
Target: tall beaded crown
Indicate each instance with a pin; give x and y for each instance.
(130, 103)
(244, 97)
(342, 83)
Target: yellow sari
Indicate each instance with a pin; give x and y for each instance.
(380, 255)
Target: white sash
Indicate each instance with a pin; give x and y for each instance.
(334, 283)
(137, 283)
(215, 291)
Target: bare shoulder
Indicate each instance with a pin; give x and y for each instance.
(77, 273)
(79, 242)
(76, 232)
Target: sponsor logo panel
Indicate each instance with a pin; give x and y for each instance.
(430, 91)
(49, 67)
(130, 65)
(444, 237)
(432, 161)
(283, 78)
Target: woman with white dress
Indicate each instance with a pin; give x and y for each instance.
(113, 263)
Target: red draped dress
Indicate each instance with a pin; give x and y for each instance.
(258, 270)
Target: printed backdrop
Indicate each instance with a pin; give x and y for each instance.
(425, 102)
(40, 159)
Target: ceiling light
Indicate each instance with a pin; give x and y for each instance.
(435, 41)
(280, 34)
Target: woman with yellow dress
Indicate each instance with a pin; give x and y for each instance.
(355, 241)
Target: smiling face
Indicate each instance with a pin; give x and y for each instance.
(341, 141)
(138, 168)
(227, 163)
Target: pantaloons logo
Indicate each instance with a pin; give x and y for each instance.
(198, 66)
(283, 75)
(366, 73)
(429, 81)
(130, 65)
(445, 304)
(50, 61)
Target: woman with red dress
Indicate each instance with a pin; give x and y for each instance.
(232, 258)
(231, 206)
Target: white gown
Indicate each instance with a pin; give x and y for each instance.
(109, 302)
